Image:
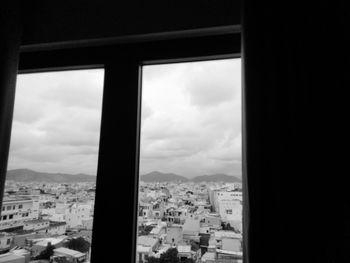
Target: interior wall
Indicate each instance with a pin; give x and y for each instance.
(296, 61)
(54, 21)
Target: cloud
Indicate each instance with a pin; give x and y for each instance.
(211, 83)
(191, 119)
(56, 123)
(195, 125)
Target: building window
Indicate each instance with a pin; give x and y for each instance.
(4, 217)
(20, 206)
(8, 208)
(10, 216)
(8, 241)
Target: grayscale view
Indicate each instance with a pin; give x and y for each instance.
(48, 203)
(190, 175)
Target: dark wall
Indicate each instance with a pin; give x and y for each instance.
(296, 64)
(52, 21)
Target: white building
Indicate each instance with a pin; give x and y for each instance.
(174, 234)
(76, 213)
(36, 224)
(14, 211)
(5, 241)
(70, 254)
(191, 229)
(145, 247)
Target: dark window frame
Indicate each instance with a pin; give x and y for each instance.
(121, 113)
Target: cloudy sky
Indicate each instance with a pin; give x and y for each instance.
(56, 122)
(191, 119)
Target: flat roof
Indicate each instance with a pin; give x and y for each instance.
(34, 221)
(234, 253)
(70, 252)
(143, 249)
(9, 256)
(52, 240)
(146, 241)
(208, 256)
(229, 234)
(15, 199)
(184, 248)
(57, 223)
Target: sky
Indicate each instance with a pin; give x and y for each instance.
(191, 118)
(190, 124)
(56, 122)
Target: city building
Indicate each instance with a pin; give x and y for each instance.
(72, 256)
(14, 211)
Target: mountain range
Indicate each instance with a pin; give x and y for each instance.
(27, 175)
(167, 177)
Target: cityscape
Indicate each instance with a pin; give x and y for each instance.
(185, 221)
(195, 222)
(46, 222)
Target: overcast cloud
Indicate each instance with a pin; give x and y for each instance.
(56, 123)
(191, 119)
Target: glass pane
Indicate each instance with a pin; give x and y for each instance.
(190, 188)
(50, 185)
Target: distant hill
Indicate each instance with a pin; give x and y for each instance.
(217, 178)
(162, 177)
(168, 177)
(26, 175)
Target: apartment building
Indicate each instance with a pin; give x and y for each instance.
(14, 211)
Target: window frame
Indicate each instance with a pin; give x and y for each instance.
(127, 59)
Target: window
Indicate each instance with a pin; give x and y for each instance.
(8, 241)
(190, 142)
(54, 141)
(120, 115)
(4, 217)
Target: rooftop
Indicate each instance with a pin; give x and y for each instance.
(234, 253)
(146, 241)
(9, 257)
(57, 223)
(208, 256)
(143, 249)
(229, 234)
(184, 248)
(15, 199)
(35, 221)
(70, 252)
(44, 241)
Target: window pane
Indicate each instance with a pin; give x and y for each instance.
(51, 178)
(190, 188)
